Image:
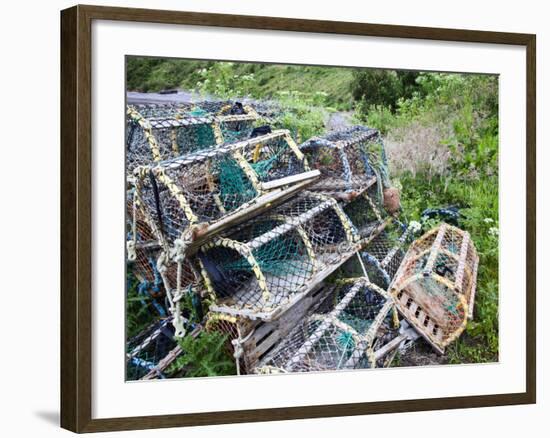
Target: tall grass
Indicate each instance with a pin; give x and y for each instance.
(442, 145)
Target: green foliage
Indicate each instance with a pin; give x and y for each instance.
(303, 115)
(468, 106)
(204, 356)
(480, 341)
(385, 88)
(138, 315)
(229, 79)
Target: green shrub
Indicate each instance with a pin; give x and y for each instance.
(375, 87)
(204, 356)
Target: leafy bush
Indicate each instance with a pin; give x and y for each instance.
(374, 87)
(204, 356)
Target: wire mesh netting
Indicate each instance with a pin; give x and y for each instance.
(434, 288)
(365, 210)
(205, 186)
(342, 334)
(263, 263)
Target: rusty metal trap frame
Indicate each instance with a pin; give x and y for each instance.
(347, 331)
(264, 265)
(434, 288)
(203, 192)
(154, 139)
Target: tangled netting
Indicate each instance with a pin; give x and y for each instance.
(435, 285)
(288, 251)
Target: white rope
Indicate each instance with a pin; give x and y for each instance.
(131, 244)
(238, 348)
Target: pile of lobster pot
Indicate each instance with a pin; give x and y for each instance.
(294, 253)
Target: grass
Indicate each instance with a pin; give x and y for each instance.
(443, 150)
(262, 81)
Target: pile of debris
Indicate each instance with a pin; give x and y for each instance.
(294, 252)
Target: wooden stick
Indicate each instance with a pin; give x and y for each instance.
(462, 262)
(245, 212)
(167, 360)
(289, 180)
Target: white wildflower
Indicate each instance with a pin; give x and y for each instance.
(493, 231)
(415, 226)
(488, 220)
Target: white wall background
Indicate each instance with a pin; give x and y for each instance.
(29, 191)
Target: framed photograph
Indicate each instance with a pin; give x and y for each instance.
(269, 218)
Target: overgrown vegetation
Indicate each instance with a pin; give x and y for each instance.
(261, 81)
(205, 356)
(456, 163)
(441, 135)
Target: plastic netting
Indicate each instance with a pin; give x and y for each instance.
(264, 263)
(205, 186)
(350, 160)
(434, 287)
(343, 334)
(159, 134)
(146, 350)
(381, 255)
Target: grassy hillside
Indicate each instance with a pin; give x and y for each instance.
(254, 80)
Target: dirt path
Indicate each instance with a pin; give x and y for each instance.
(339, 120)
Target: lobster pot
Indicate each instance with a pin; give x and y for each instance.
(365, 210)
(266, 111)
(178, 109)
(154, 139)
(345, 333)
(381, 254)
(207, 186)
(198, 130)
(146, 351)
(256, 339)
(350, 160)
(434, 288)
(260, 267)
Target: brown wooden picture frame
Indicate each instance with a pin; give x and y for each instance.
(76, 217)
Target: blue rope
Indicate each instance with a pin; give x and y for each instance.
(149, 366)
